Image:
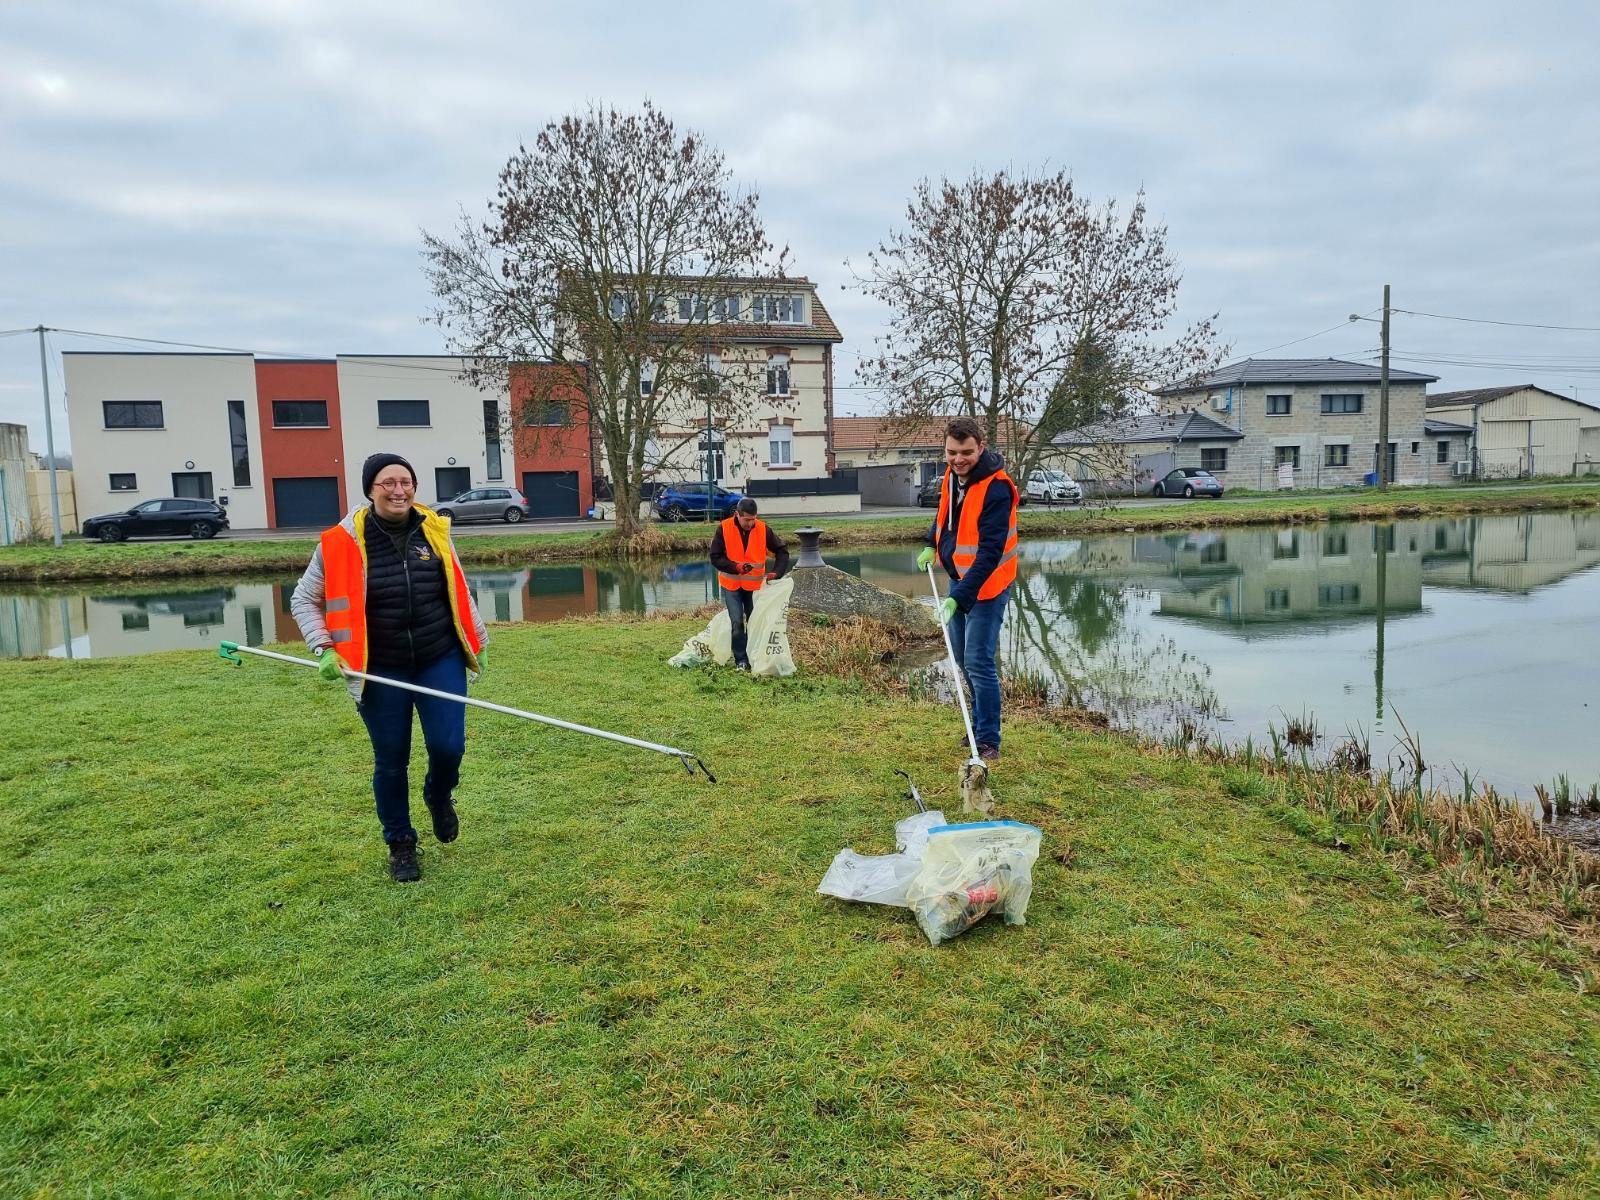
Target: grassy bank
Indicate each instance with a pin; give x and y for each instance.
(620, 981)
(91, 560)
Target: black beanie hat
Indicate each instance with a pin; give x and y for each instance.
(376, 463)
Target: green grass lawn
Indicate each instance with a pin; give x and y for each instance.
(620, 981)
(78, 559)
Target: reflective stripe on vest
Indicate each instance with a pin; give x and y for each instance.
(966, 547)
(753, 552)
(344, 571)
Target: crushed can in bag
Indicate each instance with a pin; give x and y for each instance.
(972, 870)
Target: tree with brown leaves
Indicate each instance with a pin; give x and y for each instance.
(1014, 300)
(617, 242)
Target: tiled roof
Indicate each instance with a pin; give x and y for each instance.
(1433, 428)
(885, 433)
(1295, 370)
(1152, 427)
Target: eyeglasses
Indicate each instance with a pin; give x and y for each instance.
(392, 485)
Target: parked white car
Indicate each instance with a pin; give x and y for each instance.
(1048, 486)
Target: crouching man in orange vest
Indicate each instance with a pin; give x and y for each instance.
(385, 594)
(974, 538)
(739, 551)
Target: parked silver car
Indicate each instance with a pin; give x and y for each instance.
(487, 504)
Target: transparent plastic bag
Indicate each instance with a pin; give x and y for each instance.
(882, 878)
(969, 871)
(769, 630)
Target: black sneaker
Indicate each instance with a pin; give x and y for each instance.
(988, 753)
(445, 822)
(403, 866)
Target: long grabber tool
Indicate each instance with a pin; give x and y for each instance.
(975, 794)
(231, 651)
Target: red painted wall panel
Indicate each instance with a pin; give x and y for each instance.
(300, 453)
(562, 447)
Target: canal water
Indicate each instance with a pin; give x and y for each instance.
(1477, 637)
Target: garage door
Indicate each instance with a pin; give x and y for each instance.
(305, 501)
(551, 493)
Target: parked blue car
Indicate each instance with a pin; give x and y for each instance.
(686, 502)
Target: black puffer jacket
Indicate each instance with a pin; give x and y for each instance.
(408, 606)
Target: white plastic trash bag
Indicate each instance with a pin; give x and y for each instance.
(768, 626)
(768, 630)
(882, 878)
(713, 644)
(969, 871)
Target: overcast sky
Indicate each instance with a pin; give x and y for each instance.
(253, 173)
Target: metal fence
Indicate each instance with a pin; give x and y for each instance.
(840, 483)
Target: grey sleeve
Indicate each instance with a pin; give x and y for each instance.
(306, 605)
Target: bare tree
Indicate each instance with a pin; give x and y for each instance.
(1015, 301)
(622, 244)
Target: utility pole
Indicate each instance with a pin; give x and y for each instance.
(49, 439)
(705, 382)
(1383, 400)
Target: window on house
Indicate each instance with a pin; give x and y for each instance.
(1278, 406)
(1441, 540)
(135, 620)
(1287, 454)
(1214, 458)
(1214, 552)
(1336, 456)
(780, 446)
(1277, 599)
(239, 442)
(491, 437)
(726, 309)
(782, 310)
(1415, 447)
(693, 308)
(1287, 544)
(708, 382)
(399, 413)
(1336, 543)
(647, 379)
(1341, 402)
(1329, 594)
(133, 414)
(1442, 453)
(544, 412)
(299, 414)
(778, 375)
(127, 482)
(1383, 537)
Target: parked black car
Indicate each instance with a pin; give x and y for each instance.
(928, 496)
(159, 518)
(1190, 482)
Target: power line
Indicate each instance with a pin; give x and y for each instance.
(1513, 324)
(1341, 325)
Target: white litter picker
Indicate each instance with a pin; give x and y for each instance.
(231, 651)
(974, 778)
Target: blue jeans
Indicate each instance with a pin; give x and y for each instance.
(975, 637)
(387, 713)
(740, 604)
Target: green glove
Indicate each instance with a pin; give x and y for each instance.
(947, 609)
(925, 559)
(328, 665)
(483, 659)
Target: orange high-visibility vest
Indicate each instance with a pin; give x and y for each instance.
(966, 549)
(344, 569)
(754, 552)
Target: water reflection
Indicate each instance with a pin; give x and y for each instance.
(1478, 630)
